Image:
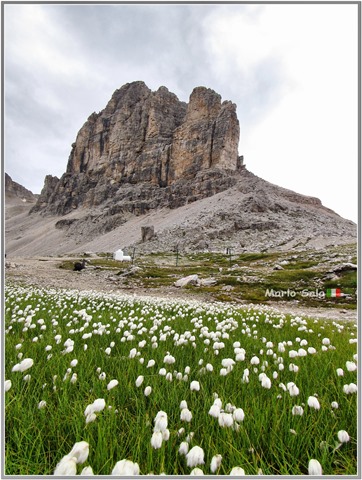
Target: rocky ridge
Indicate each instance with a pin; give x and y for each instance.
(17, 191)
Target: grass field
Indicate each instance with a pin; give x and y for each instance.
(147, 380)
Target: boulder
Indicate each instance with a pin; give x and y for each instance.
(189, 280)
(147, 232)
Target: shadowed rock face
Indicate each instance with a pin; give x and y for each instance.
(150, 140)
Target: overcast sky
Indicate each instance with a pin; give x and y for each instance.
(291, 69)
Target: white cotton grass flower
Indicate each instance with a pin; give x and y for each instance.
(292, 389)
(343, 436)
(186, 415)
(195, 457)
(169, 359)
(254, 361)
(227, 362)
(238, 415)
(266, 382)
(132, 353)
(183, 448)
(151, 363)
(165, 434)
(147, 391)
(102, 376)
(99, 404)
(293, 368)
(313, 402)
(74, 363)
(214, 411)
(351, 366)
(195, 385)
(297, 410)
(91, 417)
(27, 378)
(23, 365)
(237, 471)
(87, 471)
(225, 419)
(66, 467)
(334, 405)
(42, 404)
(183, 404)
(139, 380)
(196, 472)
(91, 409)
(314, 468)
(351, 388)
(7, 385)
(125, 468)
(80, 451)
(340, 372)
(112, 384)
(215, 463)
(245, 378)
(156, 439)
(160, 421)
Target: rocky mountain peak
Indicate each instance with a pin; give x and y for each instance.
(151, 139)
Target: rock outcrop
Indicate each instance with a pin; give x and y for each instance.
(147, 150)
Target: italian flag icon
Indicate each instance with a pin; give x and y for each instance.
(334, 292)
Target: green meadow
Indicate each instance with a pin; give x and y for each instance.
(251, 387)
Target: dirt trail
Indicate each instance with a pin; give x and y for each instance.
(45, 272)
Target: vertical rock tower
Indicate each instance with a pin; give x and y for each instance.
(148, 139)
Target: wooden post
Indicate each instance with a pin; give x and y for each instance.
(176, 255)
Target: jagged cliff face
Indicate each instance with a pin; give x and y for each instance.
(148, 149)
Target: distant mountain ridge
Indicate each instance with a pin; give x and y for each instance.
(14, 189)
